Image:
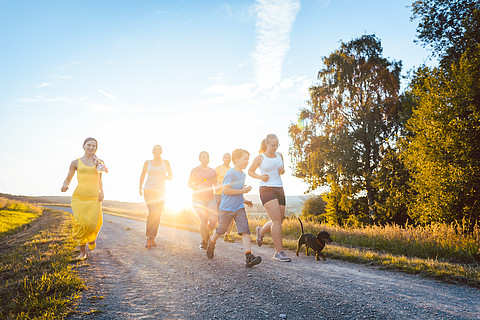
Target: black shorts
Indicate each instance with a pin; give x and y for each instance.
(272, 193)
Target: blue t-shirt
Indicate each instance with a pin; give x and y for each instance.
(236, 180)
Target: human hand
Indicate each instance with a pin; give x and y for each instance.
(248, 203)
(281, 170)
(264, 177)
(140, 191)
(246, 189)
(100, 196)
(64, 188)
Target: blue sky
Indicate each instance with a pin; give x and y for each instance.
(188, 75)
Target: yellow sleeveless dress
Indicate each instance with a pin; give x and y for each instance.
(87, 210)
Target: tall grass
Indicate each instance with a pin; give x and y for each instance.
(37, 280)
(437, 241)
(14, 214)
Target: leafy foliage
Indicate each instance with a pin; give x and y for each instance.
(451, 27)
(444, 148)
(314, 208)
(352, 112)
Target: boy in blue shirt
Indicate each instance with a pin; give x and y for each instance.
(232, 207)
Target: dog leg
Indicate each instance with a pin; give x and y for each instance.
(306, 250)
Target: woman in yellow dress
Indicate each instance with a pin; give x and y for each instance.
(87, 197)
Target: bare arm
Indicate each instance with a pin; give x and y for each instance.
(255, 164)
(281, 170)
(142, 178)
(230, 191)
(71, 172)
(169, 170)
(100, 187)
(191, 183)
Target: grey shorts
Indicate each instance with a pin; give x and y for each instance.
(226, 217)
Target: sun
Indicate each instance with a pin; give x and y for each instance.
(178, 197)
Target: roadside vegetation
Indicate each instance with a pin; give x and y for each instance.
(441, 251)
(37, 280)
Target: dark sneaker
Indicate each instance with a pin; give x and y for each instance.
(228, 238)
(251, 260)
(203, 245)
(281, 256)
(210, 250)
(259, 237)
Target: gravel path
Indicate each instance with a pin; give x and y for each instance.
(177, 281)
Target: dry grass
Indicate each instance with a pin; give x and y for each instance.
(37, 280)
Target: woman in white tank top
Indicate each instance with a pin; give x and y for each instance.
(272, 195)
(157, 171)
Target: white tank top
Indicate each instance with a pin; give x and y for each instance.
(270, 166)
(156, 177)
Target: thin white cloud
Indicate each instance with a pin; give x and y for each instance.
(227, 9)
(70, 101)
(43, 85)
(108, 95)
(274, 24)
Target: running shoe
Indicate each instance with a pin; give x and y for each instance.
(203, 245)
(251, 260)
(281, 256)
(259, 237)
(228, 238)
(148, 245)
(210, 249)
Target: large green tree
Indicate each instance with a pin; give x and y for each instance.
(443, 145)
(351, 114)
(443, 151)
(450, 27)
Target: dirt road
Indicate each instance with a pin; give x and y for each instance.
(177, 281)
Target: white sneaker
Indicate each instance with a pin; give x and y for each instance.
(281, 256)
(259, 237)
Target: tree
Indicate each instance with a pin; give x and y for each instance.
(394, 192)
(449, 26)
(443, 151)
(352, 112)
(313, 207)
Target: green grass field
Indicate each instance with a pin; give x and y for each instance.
(37, 279)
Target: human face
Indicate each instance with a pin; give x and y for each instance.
(204, 159)
(226, 159)
(90, 147)
(242, 163)
(157, 151)
(272, 145)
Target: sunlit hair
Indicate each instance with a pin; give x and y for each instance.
(237, 154)
(200, 154)
(263, 144)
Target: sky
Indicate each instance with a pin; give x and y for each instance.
(188, 75)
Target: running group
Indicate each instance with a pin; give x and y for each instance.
(217, 197)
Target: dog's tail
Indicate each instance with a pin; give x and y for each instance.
(301, 224)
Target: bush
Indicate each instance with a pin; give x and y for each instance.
(314, 208)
